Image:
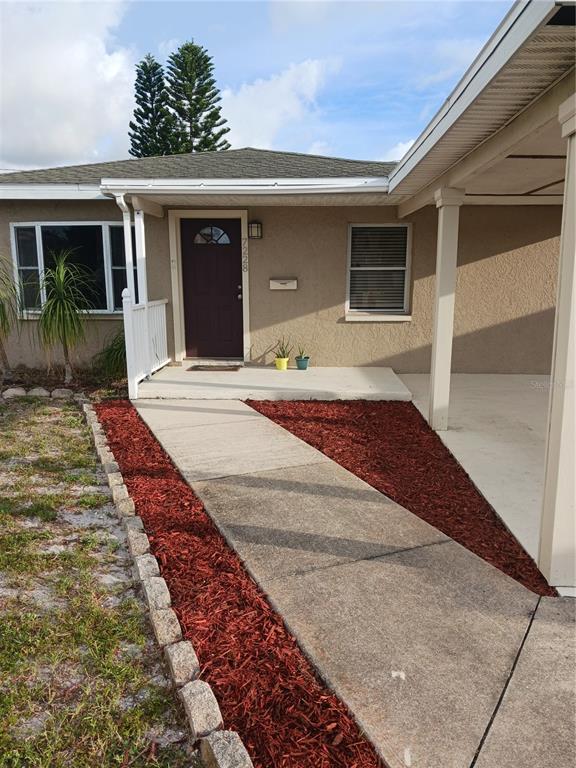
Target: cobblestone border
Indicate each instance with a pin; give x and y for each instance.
(218, 748)
(59, 393)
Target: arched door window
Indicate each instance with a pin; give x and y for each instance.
(211, 236)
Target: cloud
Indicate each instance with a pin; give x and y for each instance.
(453, 57)
(319, 147)
(398, 151)
(65, 88)
(167, 47)
(261, 111)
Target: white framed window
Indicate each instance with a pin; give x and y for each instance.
(378, 281)
(97, 247)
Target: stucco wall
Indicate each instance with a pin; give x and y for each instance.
(505, 289)
(505, 286)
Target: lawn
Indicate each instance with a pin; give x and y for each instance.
(81, 681)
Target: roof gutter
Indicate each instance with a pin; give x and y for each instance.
(244, 186)
(51, 192)
(524, 18)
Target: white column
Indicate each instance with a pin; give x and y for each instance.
(143, 285)
(129, 342)
(557, 556)
(141, 257)
(448, 202)
(128, 256)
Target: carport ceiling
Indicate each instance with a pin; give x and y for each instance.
(535, 167)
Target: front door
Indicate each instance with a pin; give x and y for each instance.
(212, 282)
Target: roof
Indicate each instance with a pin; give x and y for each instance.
(247, 163)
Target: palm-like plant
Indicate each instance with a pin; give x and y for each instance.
(61, 320)
(9, 305)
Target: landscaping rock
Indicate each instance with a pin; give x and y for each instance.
(224, 749)
(38, 392)
(138, 543)
(13, 392)
(183, 662)
(156, 593)
(133, 523)
(125, 507)
(146, 566)
(115, 479)
(62, 393)
(105, 454)
(119, 493)
(201, 708)
(166, 626)
(110, 466)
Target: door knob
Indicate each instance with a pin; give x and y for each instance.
(239, 297)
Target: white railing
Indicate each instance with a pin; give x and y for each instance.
(146, 339)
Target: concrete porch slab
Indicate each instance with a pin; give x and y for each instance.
(266, 383)
(497, 431)
(289, 521)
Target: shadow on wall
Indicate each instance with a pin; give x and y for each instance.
(523, 345)
(487, 231)
(313, 249)
(24, 348)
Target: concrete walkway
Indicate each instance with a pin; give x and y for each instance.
(444, 661)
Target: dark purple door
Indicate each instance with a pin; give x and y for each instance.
(212, 281)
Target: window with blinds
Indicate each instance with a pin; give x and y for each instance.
(378, 269)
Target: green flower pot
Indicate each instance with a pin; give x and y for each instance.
(302, 363)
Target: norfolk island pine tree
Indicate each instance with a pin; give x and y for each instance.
(153, 129)
(195, 100)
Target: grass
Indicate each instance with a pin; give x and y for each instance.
(81, 682)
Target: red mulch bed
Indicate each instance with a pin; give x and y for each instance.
(267, 690)
(391, 447)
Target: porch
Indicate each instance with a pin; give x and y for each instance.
(266, 383)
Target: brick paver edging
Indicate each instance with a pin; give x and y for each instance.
(218, 748)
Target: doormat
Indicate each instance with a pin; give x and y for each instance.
(214, 368)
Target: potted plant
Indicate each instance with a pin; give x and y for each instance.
(282, 356)
(302, 359)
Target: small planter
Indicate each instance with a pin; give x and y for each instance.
(302, 363)
(281, 363)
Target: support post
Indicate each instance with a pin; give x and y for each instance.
(129, 342)
(557, 555)
(141, 257)
(143, 282)
(448, 202)
(128, 255)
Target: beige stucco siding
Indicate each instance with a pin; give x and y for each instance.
(504, 302)
(23, 347)
(505, 289)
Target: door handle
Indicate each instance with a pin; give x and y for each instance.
(239, 297)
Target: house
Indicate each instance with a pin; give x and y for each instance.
(460, 258)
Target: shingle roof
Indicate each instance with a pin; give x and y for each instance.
(245, 163)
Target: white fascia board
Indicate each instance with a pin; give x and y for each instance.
(523, 19)
(51, 192)
(251, 186)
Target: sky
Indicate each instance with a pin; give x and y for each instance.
(345, 78)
